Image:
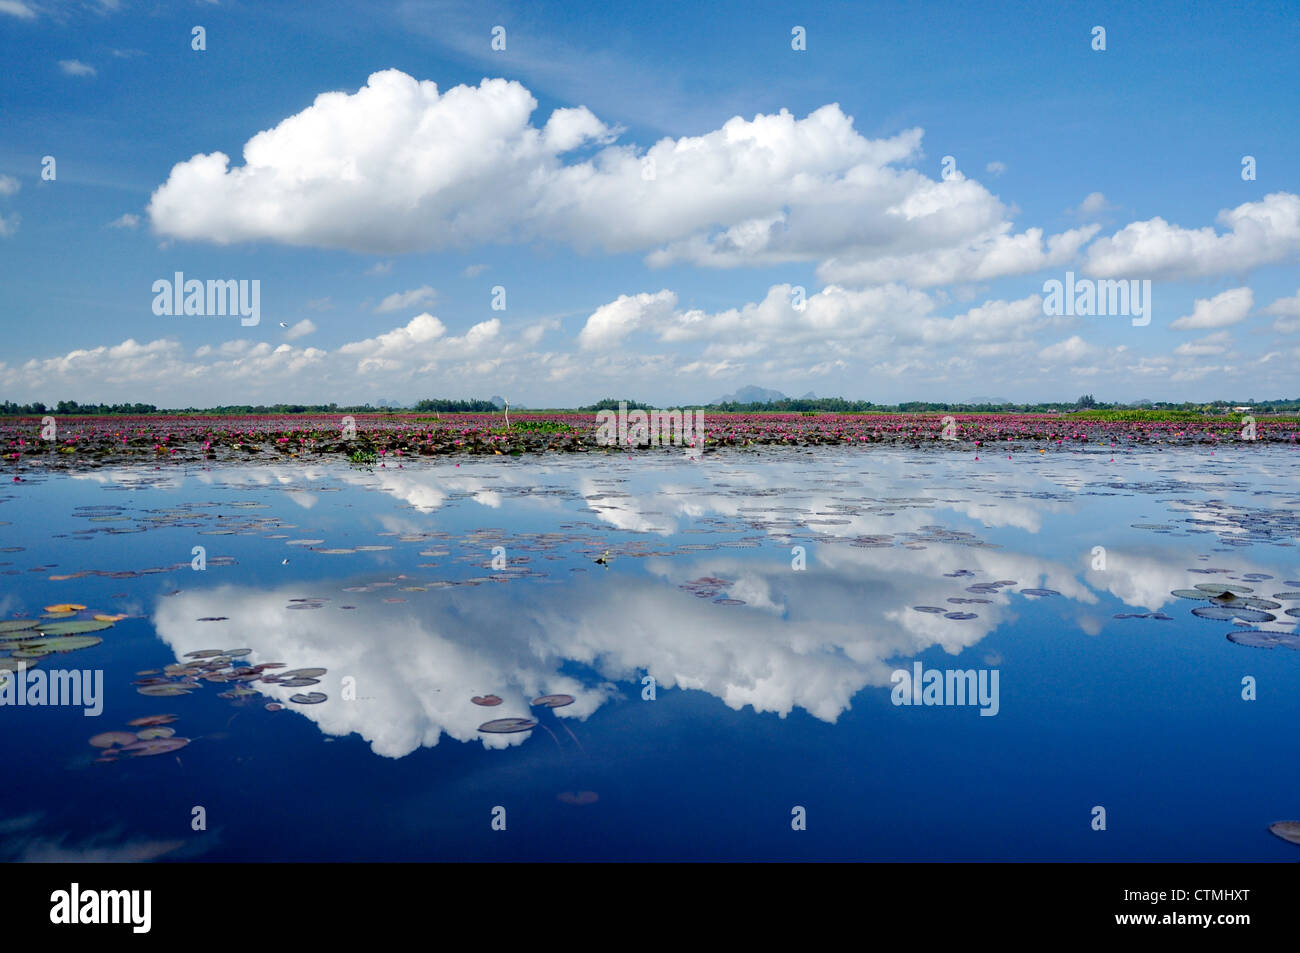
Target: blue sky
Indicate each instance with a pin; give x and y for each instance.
(379, 219)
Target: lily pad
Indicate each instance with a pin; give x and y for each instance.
(149, 721)
(156, 746)
(1287, 830)
(75, 628)
(1039, 592)
(17, 625)
(1190, 594)
(298, 682)
(1225, 613)
(150, 734)
(310, 698)
(164, 691)
(552, 701)
(304, 673)
(507, 726)
(1261, 639)
(486, 701)
(65, 643)
(108, 739)
(65, 607)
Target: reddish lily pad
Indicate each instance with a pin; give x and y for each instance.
(507, 726)
(149, 721)
(156, 746)
(553, 701)
(108, 739)
(486, 701)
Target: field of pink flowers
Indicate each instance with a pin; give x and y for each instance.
(388, 438)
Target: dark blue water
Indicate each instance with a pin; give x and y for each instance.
(772, 683)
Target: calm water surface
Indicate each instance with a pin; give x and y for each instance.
(769, 597)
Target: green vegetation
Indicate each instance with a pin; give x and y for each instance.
(445, 405)
(539, 426)
(611, 403)
(365, 457)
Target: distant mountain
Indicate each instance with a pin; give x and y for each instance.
(385, 402)
(753, 395)
(987, 400)
(497, 402)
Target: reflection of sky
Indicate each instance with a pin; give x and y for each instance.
(881, 532)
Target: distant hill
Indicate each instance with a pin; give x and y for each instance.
(758, 395)
(981, 401)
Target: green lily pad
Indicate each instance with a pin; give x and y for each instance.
(64, 643)
(75, 628)
(17, 625)
(32, 652)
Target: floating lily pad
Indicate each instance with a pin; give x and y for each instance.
(1039, 592)
(1287, 596)
(507, 726)
(108, 739)
(1261, 639)
(1216, 587)
(31, 651)
(304, 673)
(150, 734)
(486, 700)
(1287, 830)
(17, 625)
(65, 607)
(75, 628)
(156, 746)
(150, 720)
(1190, 594)
(310, 698)
(298, 682)
(552, 701)
(58, 615)
(103, 617)
(164, 691)
(203, 653)
(236, 653)
(65, 643)
(934, 609)
(1225, 613)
